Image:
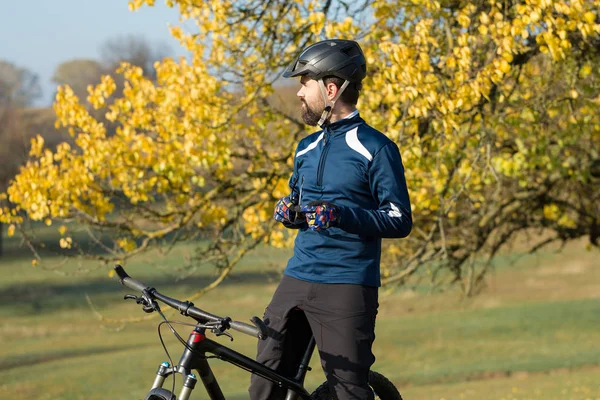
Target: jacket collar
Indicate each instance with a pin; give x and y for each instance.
(345, 124)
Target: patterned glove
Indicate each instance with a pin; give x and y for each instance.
(284, 212)
(321, 215)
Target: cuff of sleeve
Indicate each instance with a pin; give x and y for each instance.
(344, 217)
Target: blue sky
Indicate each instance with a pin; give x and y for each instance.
(40, 34)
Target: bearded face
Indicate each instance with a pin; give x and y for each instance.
(312, 114)
(311, 99)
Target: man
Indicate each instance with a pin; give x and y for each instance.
(349, 184)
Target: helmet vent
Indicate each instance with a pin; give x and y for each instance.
(351, 51)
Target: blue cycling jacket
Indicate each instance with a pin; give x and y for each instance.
(359, 170)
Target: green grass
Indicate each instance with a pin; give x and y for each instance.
(556, 385)
(532, 334)
(459, 345)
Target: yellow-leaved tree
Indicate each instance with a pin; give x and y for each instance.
(495, 106)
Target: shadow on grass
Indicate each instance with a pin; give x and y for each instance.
(40, 296)
(47, 244)
(46, 241)
(26, 360)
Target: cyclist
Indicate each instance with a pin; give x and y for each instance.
(349, 181)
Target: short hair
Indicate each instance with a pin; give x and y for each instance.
(350, 94)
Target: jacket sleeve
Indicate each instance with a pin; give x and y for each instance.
(393, 217)
(294, 184)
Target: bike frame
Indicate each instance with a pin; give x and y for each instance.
(194, 357)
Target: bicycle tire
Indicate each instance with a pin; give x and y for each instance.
(383, 388)
(160, 394)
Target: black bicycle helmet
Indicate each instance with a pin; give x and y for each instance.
(337, 57)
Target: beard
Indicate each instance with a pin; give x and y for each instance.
(310, 116)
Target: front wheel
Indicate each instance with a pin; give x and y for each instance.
(383, 388)
(160, 394)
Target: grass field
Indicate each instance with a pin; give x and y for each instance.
(533, 334)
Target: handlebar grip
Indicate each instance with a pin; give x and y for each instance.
(128, 281)
(245, 328)
(262, 328)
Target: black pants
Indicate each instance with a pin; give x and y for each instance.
(342, 319)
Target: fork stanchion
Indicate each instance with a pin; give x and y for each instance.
(161, 374)
(188, 386)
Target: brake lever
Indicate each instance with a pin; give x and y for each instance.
(219, 328)
(148, 305)
(218, 333)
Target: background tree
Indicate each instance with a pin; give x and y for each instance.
(133, 49)
(494, 106)
(78, 74)
(18, 89)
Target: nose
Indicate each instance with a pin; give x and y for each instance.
(300, 93)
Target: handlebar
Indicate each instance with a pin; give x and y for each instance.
(187, 309)
(128, 281)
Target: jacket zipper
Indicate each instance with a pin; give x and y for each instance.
(321, 166)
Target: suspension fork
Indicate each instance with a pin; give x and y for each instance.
(189, 360)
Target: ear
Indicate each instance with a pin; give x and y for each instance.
(332, 90)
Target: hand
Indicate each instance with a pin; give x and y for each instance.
(321, 215)
(285, 213)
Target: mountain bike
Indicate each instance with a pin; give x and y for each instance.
(198, 349)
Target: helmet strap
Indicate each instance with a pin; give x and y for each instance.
(329, 104)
